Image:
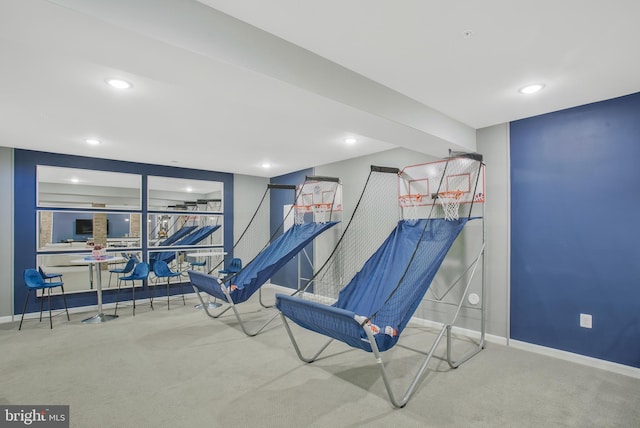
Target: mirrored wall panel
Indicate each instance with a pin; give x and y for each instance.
(76, 273)
(80, 230)
(183, 230)
(179, 194)
(80, 188)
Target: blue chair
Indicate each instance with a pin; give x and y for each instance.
(140, 273)
(49, 276)
(161, 270)
(234, 267)
(34, 281)
(195, 264)
(131, 263)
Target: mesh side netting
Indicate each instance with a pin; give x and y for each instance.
(256, 233)
(374, 217)
(314, 192)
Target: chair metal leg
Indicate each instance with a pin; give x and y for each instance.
(115, 313)
(50, 320)
(24, 308)
(64, 299)
(153, 292)
(41, 303)
(133, 291)
(168, 293)
(184, 302)
(150, 293)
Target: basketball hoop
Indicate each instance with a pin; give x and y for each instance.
(409, 204)
(321, 212)
(299, 212)
(450, 202)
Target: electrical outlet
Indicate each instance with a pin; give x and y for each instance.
(586, 320)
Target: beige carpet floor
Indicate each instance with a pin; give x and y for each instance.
(179, 368)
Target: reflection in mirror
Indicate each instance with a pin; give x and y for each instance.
(75, 274)
(77, 230)
(80, 188)
(66, 237)
(170, 229)
(179, 194)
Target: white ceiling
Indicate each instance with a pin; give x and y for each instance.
(226, 85)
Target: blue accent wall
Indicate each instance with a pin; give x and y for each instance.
(575, 229)
(25, 163)
(288, 275)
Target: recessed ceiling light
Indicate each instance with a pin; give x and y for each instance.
(531, 89)
(189, 189)
(350, 140)
(266, 165)
(118, 83)
(75, 180)
(92, 141)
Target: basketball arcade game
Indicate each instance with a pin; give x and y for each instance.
(384, 266)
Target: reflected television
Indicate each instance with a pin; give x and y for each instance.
(84, 226)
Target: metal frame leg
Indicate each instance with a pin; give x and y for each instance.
(395, 401)
(206, 307)
(295, 343)
(260, 300)
(235, 311)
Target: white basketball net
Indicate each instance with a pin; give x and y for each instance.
(321, 212)
(410, 204)
(299, 212)
(450, 202)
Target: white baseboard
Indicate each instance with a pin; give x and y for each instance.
(459, 331)
(4, 320)
(542, 350)
(577, 358)
(81, 309)
(280, 288)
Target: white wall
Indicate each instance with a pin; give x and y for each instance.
(493, 143)
(6, 232)
(247, 193)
